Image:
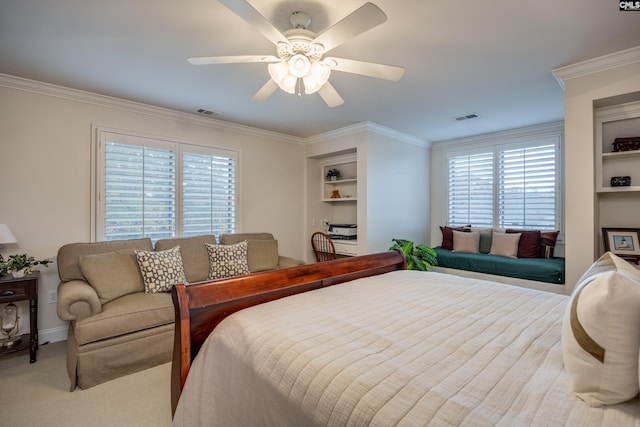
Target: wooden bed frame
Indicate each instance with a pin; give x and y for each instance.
(200, 307)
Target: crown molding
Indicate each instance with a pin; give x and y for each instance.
(367, 127)
(551, 129)
(77, 95)
(596, 65)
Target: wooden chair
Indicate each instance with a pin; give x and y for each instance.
(323, 247)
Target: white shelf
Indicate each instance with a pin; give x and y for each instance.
(616, 206)
(620, 155)
(341, 199)
(341, 181)
(346, 186)
(629, 189)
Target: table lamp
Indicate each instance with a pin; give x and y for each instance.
(6, 238)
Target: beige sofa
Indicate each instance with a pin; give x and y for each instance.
(115, 328)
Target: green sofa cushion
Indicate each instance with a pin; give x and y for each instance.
(550, 270)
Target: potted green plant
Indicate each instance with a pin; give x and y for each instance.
(19, 265)
(419, 257)
(333, 174)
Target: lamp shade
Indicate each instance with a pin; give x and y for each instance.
(6, 236)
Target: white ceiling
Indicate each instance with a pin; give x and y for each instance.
(492, 57)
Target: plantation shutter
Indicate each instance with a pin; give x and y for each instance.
(160, 188)
(471, 190)
(527, 188)
(139, 194)
(209, 196)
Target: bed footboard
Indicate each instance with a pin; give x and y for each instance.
(200, 307)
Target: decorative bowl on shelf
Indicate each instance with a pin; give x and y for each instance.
(620, 181)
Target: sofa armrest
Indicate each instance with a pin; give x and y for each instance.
(286, 262)
(77, 300)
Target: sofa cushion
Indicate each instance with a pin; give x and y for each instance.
(503, 244)
(548, 243)
(112, 274)
(466, 242)
(484, 246)
(69, 255)
(124, 315)
(161, 270)
(232, 239)
(601, 333)
(227, 260)
(262, 255)
(447, 235)
(550, 270)
(195, 257)
(529, 244)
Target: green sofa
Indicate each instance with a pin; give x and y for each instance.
(549, 270)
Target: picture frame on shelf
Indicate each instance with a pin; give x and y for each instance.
(624, 242)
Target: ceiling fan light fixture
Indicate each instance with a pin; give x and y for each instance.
(299, 65)
(288, 84)
(317, 77)
(278, 71)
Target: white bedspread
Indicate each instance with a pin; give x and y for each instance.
(405, 348)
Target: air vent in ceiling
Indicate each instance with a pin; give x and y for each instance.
(467, 117)
(207, 113)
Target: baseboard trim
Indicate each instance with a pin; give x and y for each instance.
(52, 335)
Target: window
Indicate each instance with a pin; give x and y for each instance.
(157, 188)
(471, 190)
(505, 186)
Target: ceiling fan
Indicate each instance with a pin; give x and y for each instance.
(300, 52)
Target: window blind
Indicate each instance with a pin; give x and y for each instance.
(156, 188)
(139, 192)
(509, 187)
(471, 190)
(209, 196)
(527, 188)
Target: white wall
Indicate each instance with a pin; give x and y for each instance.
(45, 160)
(612, 76)
(398, 194)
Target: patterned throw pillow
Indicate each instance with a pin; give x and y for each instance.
(161, 270)
(227, 260)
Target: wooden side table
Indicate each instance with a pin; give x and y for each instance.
(23, 289)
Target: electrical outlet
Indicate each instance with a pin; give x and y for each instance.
(53, 297)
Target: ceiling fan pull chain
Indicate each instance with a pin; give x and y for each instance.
(299, 91)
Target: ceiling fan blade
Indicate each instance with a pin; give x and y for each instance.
(371, 69)
(365, 18)
(331, 97)
(254, 18)
(207, 60)
(265, 92)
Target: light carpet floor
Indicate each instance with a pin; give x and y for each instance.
(37, 394)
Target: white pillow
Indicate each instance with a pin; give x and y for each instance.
(466, 241)
(505, 244)
(601, 333)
